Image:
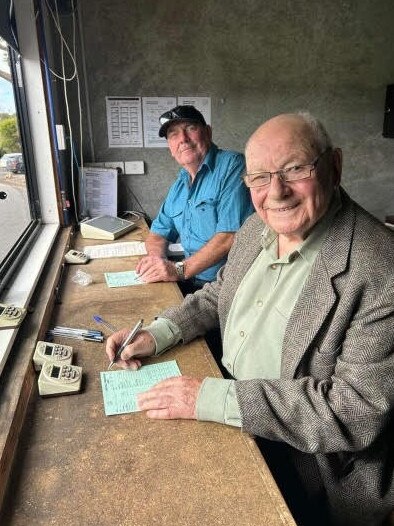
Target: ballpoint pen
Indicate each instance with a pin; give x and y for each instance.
(99, 319)
(126, 342)
(79, 334)
(86, 338)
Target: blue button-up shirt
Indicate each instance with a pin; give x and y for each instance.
(217, 201)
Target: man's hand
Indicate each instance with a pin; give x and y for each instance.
(154, 268)
(172, 398)
(142, 345)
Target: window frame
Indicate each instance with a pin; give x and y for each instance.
(11, 261)
(26, 270)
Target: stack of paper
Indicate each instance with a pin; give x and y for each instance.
(116, 250)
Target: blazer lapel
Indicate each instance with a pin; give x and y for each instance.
(318, 295)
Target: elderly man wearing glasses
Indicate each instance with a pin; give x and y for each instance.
(205, 206)
(306, 309)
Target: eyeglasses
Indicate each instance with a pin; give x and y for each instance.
(293, 173)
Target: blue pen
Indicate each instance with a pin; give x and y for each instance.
(99, 319)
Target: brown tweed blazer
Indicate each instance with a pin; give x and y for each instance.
(333, 404)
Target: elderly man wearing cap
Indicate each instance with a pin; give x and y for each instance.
(204, 208)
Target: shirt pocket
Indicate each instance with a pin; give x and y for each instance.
(175, 214)
(173, 209)
(204, 218)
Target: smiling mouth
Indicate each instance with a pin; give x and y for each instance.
(283, 209)
(189, 147)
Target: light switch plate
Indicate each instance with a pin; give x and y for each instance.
(115, 164)
(134, 168)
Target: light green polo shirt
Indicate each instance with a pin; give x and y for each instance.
(257, 320)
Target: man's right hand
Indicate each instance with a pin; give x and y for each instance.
(146, 262)
(155, 268)
(143, 345)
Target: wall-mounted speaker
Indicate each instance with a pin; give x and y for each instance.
(388, 123)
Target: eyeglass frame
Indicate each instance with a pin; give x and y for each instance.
(281, 173)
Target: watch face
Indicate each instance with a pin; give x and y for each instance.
(179, 266)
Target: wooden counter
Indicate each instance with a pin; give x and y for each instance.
(77, 467)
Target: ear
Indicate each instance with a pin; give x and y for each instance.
(209, 132)
(337, 166)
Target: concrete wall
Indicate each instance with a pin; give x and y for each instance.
(254, 59)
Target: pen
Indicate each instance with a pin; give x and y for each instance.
(130, 336)
(81, 332)
(76, 336)
(99, 319)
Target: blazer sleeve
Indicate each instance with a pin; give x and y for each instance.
(198, 312)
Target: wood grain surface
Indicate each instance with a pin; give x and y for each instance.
(77, 467)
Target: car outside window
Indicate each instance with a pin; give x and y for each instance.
(18, 210)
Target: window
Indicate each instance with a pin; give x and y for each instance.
(22, 262)
(19, 204)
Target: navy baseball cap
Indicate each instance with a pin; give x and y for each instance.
(179, 113)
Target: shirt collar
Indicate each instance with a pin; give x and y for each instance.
(208, 161)
(267, 236)
(210, 158)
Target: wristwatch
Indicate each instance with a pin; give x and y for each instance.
(180, 269)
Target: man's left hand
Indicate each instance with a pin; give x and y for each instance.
(172, 398)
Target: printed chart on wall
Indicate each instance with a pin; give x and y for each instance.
(99, 194)
(124, 122)
(152, 108)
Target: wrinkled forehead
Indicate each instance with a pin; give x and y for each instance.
(281, 139)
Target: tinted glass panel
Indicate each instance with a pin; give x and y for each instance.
(15, 213)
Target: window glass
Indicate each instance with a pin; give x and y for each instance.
(15, 214)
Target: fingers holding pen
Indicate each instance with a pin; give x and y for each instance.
(143, 345)
(115, 341)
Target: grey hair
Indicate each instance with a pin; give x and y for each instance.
(319, 133)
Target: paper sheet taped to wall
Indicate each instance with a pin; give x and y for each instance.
(153, 107)
(99, 191)
(124, 122)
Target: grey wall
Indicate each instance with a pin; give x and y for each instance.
(254, 59)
